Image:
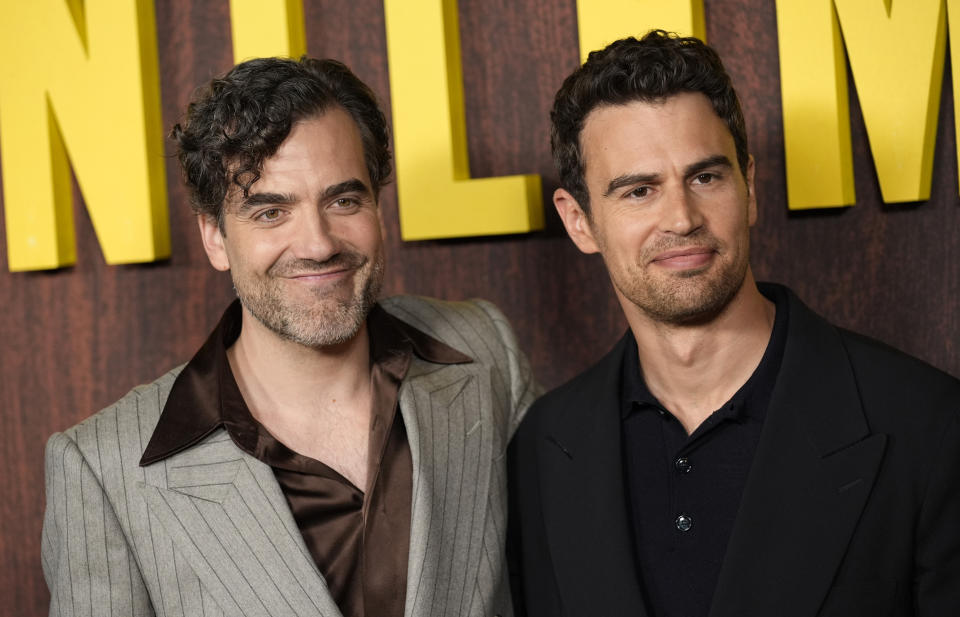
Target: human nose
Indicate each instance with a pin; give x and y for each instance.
(681, 215)
(314, 237)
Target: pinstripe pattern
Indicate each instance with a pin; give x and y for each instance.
(208, 531)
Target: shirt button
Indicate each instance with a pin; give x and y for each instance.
(684, 522)
(683, 465)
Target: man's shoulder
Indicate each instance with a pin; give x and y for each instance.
(474, 327)
(584, 393)
(889, 377)
(877, 366)
(432, 312)
(868, 351)
(899, 394)
(881, 371)
(131, 418)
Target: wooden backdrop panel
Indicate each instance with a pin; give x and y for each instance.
(74, 340)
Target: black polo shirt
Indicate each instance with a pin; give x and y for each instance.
(684, 490)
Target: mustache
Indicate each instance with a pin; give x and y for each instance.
(699, 238)
(345, 260)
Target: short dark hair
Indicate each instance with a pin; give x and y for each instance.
(658, 66)
(240, 119)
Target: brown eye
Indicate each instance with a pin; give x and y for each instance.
(346, 202)
(705, 178)
(270, 215)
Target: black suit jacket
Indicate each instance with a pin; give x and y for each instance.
(851, 507)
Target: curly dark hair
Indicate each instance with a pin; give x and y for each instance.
(658, 66)
(239, 120)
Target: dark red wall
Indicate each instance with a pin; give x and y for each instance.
(74, 340)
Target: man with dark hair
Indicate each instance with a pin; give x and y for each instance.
(323, 453)
(734, 454)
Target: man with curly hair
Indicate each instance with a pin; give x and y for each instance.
(324, 452)
(734, 455)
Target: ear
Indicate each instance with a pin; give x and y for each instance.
(575, 220)
(751, 192)
(212, 238)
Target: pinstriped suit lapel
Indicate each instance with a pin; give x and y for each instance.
(227, 517)
(448, 416)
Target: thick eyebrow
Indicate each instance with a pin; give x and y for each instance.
(692, 169)
(353, 185)
(629, 180)
(254, 200)
(718, 160)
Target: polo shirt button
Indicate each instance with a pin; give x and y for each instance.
(684, 522)
(683, 465)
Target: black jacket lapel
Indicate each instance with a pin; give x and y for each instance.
(584, 503)
(812, 474)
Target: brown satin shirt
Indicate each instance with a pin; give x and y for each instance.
(359, 539)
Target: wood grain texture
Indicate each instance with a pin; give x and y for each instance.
(75, 340)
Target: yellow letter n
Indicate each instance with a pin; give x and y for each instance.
(79, 83)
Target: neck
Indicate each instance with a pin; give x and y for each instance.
(695, 369)
(276, 375)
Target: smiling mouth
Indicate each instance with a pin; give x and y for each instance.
(324, 275)
(685, 258)
(310, 270)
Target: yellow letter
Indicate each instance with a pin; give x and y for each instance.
(81, 81)
(953, 19)
(896, 55)
(816, 119)
(265, 28)
(602, 22)
(436, 196)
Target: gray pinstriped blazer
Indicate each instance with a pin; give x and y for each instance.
(208, 531)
